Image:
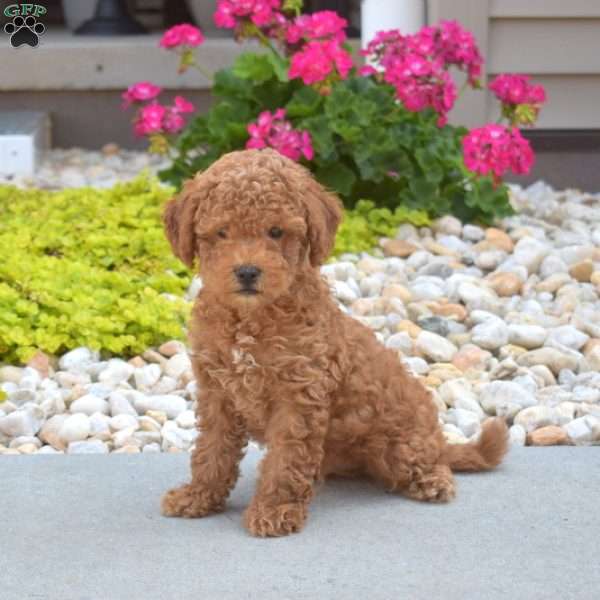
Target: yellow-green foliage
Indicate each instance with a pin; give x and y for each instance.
(362, 227)
(91, 267)
(87, 267)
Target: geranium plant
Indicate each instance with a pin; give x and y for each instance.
(376, 132)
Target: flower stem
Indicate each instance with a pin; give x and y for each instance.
(265, 41)
(463, 87)
(203, 71)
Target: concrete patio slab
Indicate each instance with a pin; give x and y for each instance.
(89, 528)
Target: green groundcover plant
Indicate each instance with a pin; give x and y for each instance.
(87, 267)
(90, 267)
(378, 132)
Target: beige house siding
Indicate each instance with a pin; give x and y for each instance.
(555, 41)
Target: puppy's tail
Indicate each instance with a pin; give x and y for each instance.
(486, 453)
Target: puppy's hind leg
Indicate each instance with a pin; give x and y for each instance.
(411, 467)
(432, 485)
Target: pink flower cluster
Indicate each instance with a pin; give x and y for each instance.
(326, 24)
(495, 149)
(230, 13)
(156, 118)
(515, 89)
(140, 92)
(457, 46)
(181, 35)
(317, 60)
(417, 65)
(320, 56)
(273, 131)
(421, 83)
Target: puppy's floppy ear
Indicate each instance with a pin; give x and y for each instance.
(324, 215)
(178, 219)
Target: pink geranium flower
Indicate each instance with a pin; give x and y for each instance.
(156, 118)
(273, 131)
(230, 13)
(521, 101)
(325, 24)
(139, 92)
(515, 89)
(150, 119)
(316, 60)
(417, 65)
(180, 104)
(181, 35)
(495, 149)
(457, 46)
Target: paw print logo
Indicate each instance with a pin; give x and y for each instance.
(24, 30)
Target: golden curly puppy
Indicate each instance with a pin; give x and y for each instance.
(276, 360)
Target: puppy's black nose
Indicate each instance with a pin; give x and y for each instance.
(247, 274)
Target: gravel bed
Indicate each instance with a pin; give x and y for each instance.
(495, 321)
(75, 168)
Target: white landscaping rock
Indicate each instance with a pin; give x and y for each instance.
(119, 422)
(87, 447)
(435, 347)
(568, 336)
(400, 341)
(344, 293)
(117, 371)
(125, 437)
(458, 393)
(78, 360)
(89, 404)
(11, 374)
(505, 398)
(527, 336)
(177, 365)
(75, 428)
(554, 359)
(530, 253)
(580, 431)
(176, 437)
(415, 365)
(517, 435)
(465, 420)
(535, 417)
(26, 420)
(120, 405)
(100, 425)
(171, 405)
(186, 419)
(476, 296)
(491, 334)
(147, 376)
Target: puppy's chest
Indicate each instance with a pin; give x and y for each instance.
(247, 370)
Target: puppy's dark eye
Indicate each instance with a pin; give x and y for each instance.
(275, 232)
(222, 234)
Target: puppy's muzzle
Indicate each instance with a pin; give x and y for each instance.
(247, 276)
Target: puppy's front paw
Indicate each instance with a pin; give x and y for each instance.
(265, 520)
(189, 501)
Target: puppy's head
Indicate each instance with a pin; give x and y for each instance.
(254, 220)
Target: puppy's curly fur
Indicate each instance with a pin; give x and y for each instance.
(276, 360)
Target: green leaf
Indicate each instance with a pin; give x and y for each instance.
(337, 177)
(226, 84)
(321, 135)
(256, 67)
(304, 103)
(280, 66)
